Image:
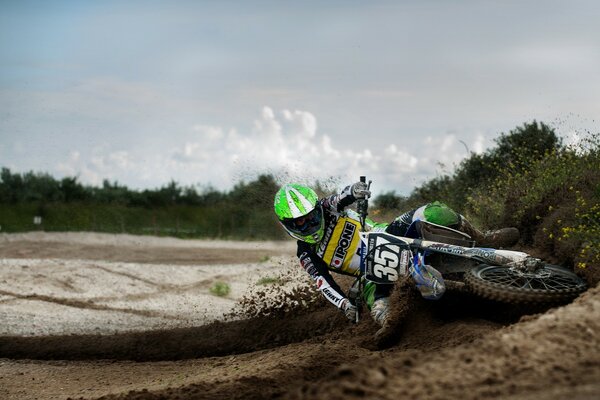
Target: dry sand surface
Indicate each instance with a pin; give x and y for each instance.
(90, 316)
(63, 284)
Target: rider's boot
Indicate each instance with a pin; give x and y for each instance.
(380, 310)
(504, 237)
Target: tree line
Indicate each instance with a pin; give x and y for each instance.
(244, 212)
(32, 187)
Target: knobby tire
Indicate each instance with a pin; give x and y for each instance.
(549, 284)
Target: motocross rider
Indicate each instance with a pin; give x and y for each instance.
(328, 240)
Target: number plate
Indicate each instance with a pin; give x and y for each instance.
(387, 258)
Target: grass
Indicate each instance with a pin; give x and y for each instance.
(220, 289)
(267, 280)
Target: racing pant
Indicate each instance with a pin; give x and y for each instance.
(374, 291)
(435, 212)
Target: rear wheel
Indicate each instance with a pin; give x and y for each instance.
(548, 284)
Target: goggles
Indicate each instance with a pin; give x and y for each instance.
(306, 224)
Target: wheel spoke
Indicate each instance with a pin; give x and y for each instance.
(548, 283)
(509, 277)
(545, 285)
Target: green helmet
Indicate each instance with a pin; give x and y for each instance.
(299, 211)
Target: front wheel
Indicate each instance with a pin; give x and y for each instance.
(548, 284)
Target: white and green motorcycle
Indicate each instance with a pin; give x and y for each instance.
(502, 275)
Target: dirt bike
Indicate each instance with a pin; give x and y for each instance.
(502, 275)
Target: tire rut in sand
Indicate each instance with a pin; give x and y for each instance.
(88, 304)
(344, 351)
(215, 339)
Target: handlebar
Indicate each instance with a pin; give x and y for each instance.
(362, 205)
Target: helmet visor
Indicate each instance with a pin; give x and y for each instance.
(305, 225)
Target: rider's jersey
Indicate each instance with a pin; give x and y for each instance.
(339, 250)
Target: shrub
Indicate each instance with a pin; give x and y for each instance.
(554, 201)
(220, 289)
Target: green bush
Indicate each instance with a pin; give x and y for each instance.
(554, 201)
(220, 289)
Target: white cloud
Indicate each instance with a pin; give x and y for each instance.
(479, 144)
(98, 166)
(209, 140)
(286, 144)
(300, 123)
(70, 167)
(120, 159)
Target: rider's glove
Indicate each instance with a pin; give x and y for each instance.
(349, 310)
(360, 190)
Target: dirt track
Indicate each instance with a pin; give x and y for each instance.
(453, 348)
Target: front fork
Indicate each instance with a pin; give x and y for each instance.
(355, 294)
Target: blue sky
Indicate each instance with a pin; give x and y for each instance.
(211, 92)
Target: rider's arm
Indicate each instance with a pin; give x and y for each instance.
(338, 202)
(317, 269)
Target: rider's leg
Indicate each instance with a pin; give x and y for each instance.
(436, 212)
(376, 297)
(498, 238)
(441, 214)
(428, 280)
(380, 310)
(397, 227)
